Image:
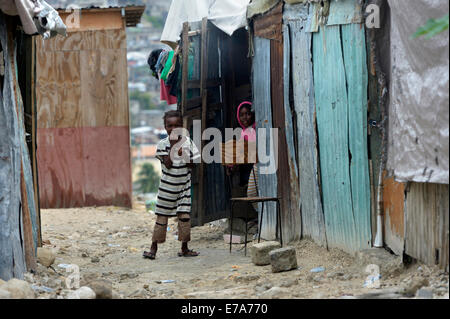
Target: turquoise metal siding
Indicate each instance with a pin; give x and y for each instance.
(340, 79)
(354, 48)
(263, 109)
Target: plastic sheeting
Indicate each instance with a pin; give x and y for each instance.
(227, 15)
(419, 112)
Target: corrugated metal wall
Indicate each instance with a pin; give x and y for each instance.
(262, 102)
(18, 220)
(427, 227)
(296, 19)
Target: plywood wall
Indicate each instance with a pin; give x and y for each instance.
(83, 120)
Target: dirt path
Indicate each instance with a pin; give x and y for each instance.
(107, 243)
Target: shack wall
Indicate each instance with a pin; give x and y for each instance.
(83, 120)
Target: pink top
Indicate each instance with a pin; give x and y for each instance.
(248, 133)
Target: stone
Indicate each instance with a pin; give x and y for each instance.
(45, 256)
(5, 294)
(414, 285)
(424, 293)
(388, 263)
(283, 259)
(260, 252)
(102, 288)
(82, 293)
(19, 289)
(275, 293)
(289, 283)
(2, 282)
(95, 259)
(246, 278)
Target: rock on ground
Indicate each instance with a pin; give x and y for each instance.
(45, 256)
(19, 289)
(82, 293)
(283, 259)
(260, 252)
(388, 263)
(102, 288)
(5, 294)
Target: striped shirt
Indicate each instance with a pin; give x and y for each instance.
(174, 193)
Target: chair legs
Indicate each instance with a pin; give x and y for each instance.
(231, 225)
(279, 223)
(260, 223)
(279, 229)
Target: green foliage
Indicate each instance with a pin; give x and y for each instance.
(148, 181)
(432, 28)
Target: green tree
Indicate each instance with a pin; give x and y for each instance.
(148, 181)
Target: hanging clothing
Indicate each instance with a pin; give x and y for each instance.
(159, 66)
(165, 93)
(173, 78)
(167, 66)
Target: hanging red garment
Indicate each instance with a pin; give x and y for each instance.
(165, 95)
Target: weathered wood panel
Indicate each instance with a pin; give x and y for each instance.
(340, 88)
(12, 254)
(355, 62)
(290, 213)
(104, 88)
(427, 233)
(263, 109)
(394, 215)
(84, 167)
(58, 89)
(296, 18)
(85, 40)
(83, 120)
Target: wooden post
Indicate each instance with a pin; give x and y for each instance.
(204, 95)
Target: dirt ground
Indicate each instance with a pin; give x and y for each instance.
(107, 243)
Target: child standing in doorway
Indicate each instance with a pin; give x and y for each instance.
(174, 194)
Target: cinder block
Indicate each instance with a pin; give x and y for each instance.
(283, 259)
(260, 252)
(237, 239)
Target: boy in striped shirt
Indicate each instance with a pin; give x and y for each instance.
(174, 194)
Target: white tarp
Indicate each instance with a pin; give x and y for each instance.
(227, 15)
(419, 111)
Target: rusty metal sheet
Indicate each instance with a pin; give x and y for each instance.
(269, 25)
(394, 212)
